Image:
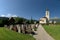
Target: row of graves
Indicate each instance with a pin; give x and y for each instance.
(22, 28)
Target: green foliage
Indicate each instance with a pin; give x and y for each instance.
(23, 20)
(1, 21)
(6, 34)
(20, 20)
(11, 20)
(30, 22)
(37, 21)
(53, 30)
(15, 20)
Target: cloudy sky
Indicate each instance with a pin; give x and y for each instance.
(8, 15)
(29, 8)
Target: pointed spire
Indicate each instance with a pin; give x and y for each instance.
(47, 9)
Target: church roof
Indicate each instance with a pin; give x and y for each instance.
(42, 18)
(45, 17)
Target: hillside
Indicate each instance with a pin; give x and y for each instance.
(6, 34)
(57, 20)
(4, 18)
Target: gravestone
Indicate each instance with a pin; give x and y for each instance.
(37, 25)
(11, 26)
(26, 28)
(18, 28)
(32, 26)
(29, 29)
(54, 22)
(15, 28)
(22, 28)
(5, 26)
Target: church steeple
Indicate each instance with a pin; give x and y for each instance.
(47, 13)
(47, 9)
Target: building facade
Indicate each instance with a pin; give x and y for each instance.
(45, 19)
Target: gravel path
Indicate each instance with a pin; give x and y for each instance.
(42, 34)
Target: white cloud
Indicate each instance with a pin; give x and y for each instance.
(2, 15)
(8, 15)
(14, 15)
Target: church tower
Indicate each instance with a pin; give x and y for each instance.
(47, 14)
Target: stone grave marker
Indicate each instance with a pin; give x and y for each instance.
(18, 28)
(11, 26)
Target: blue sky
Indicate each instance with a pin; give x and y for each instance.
(29, 8)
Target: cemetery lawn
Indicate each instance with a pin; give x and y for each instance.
(6, 34)
(53, 30)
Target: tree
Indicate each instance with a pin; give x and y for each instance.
(11, 20)
(19, 20)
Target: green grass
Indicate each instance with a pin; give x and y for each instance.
(6, 34)
(53, 30)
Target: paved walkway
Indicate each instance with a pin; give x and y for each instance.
(42, 34)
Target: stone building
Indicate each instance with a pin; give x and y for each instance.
(45, 19)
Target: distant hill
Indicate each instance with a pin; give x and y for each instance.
(4, 18)
(57, 20)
